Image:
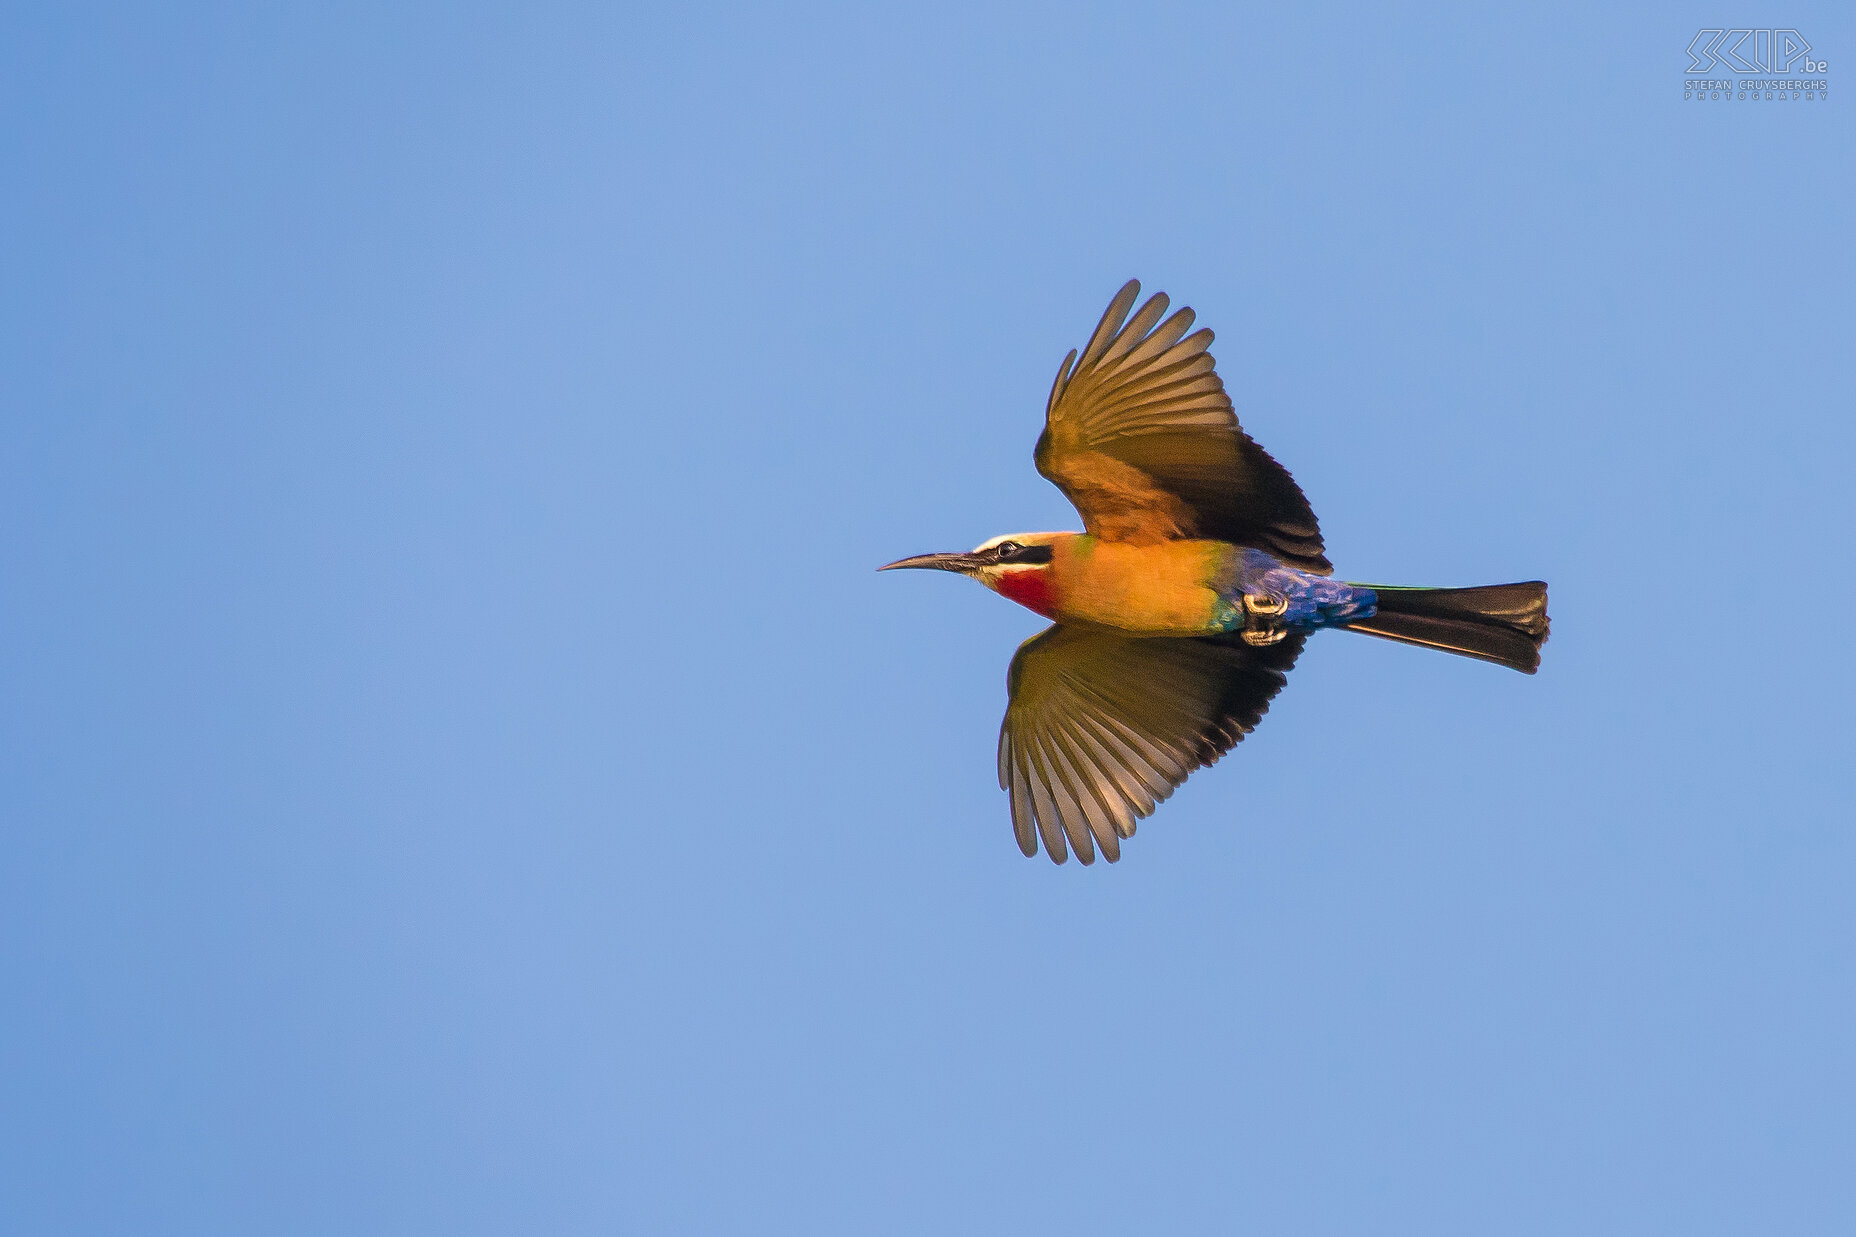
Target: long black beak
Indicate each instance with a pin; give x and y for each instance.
(962, 563)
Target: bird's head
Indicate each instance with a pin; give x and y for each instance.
(1018, 565)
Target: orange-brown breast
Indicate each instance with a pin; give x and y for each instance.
(1165, 588)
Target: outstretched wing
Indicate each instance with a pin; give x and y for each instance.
(1139, 434)
(1102, 727)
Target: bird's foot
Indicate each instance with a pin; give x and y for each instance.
(1263, 637)
(1265, 605)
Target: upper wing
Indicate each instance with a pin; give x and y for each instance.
(1139, 434)
(1102, 727)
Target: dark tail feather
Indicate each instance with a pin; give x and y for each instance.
(1504, 623)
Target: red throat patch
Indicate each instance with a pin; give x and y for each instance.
(1030, 588)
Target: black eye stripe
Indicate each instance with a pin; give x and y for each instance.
(1012, 552)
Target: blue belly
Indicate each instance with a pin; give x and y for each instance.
(1313, 601)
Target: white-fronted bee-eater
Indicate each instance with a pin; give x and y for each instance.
(1183, 603)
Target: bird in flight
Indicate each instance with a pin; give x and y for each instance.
(1181, 607)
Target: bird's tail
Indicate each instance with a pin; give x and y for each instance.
(1503, 623)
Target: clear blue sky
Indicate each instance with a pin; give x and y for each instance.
(459, 772)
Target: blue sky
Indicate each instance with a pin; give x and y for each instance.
(459, 772)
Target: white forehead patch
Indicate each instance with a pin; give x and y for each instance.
(1020, 538)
